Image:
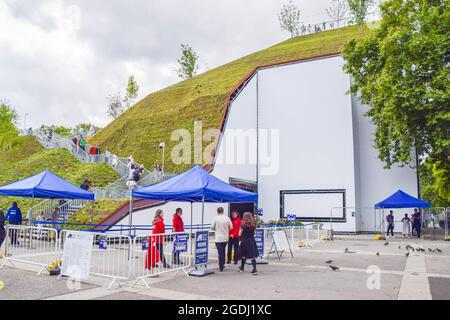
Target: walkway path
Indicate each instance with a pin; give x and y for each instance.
(307, 276)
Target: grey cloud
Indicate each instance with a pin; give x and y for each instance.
(69, 84)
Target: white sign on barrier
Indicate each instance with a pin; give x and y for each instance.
(281, 243)
(77, 255)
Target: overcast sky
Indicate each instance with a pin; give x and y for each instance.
(60, 59)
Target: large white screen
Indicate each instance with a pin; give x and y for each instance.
(311, 205)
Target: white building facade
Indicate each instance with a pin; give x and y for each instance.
(295, 135)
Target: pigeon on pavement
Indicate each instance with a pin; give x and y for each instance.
(407, 254)
(386, 243)
(334, 268)
(329, 261)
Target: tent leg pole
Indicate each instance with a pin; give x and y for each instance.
(190, 240)
(92, 211)
(203, 211)
(31, 212)
(130, 213)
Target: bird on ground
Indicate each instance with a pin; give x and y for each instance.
(329, 261)
(407, 254)
(378, 253)
(346, 250)
(430, 250)
(386, 243)
(437, 250)
(334, 268)
(407, 247)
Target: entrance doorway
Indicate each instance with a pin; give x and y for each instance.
(246, 185)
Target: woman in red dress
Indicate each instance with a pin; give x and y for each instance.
(158, 229)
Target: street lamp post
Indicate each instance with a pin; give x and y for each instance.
(162, 145)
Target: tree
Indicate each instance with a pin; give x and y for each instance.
(289, 18)
(359, 10)
(8, 130)
(338, 10)
(115, 106)
(401, 71)
(434, 184)
(132, 92)
(188, 62)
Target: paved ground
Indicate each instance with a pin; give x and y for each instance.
(362, 275)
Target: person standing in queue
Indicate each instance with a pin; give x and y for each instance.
(178, 226)
(2, 228)
(390, 221)
(247, 247)
(233, 241)
(14, 216)
(417, 222)
(222, 226)
(158, 229)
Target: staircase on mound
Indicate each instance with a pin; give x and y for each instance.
(44, 211)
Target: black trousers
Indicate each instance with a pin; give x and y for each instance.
(2, 235)
(221, 246)
(233, 244)
(176, 258)
(13, 233)
(390, 228)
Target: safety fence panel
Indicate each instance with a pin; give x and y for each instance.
(298, 236)
(111, 255)
(447, 222)
(31, 245)
(434, 223)
(157, 254)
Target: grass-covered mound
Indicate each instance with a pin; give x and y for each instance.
(102, 210)
(27, 157)
(140, 129)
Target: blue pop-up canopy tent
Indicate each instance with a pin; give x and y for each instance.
(401, 199)
(195, 185)
(45, 185)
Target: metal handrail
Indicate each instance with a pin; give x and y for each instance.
(116, 190)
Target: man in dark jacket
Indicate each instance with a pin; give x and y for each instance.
(390, 221)
(2, 228)
(14, 216)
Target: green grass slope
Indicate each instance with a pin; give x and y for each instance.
(28, 157)
(140, 129)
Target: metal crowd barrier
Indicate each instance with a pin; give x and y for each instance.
(153, 255)
(30, 245)
(111, 255)
(298, 236)
(125, 257)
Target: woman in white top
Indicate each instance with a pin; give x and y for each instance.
(406, 226)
